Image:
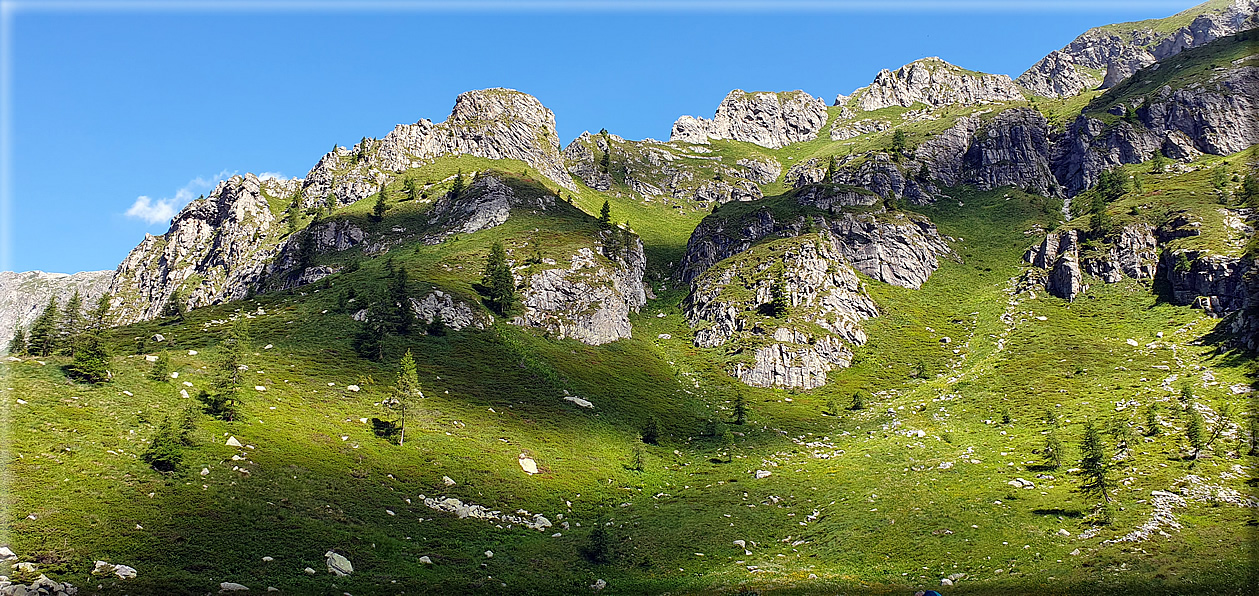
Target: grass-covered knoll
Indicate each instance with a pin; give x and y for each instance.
(1196, 66)
(1164, 25)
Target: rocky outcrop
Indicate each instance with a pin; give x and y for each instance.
(486, 203)
(1011, 150)
(455, 314)
(489, 123)
(589, 299)
(876, 172)
(720, 191)
(764, 170)
(583, 164)
(823, 305)
(216, 250)
(897, 248)
(1214, 116)
(23, 296)
(1120, 50)
(936, 83)
(1215, 283)
(770, 120)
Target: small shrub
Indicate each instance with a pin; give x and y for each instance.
(164, 452)
(651, 431)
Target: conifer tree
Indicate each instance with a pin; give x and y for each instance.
(898, 143)
(499, 284)
(174, 307)
(17, 347)
(381, 206)
(605, 216)
(97, 319)
(42, 338)
(1095, 469)
(1194, 434)
(857, 402)
(161, 368)
(71, 322)
(164, 452)
(401, 318)
(91, 360)
(457, 188)
(226, 380)
(830, 171)
(740, 408)
(405, 391)
(411, 189)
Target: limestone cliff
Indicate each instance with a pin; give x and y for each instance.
(820, 304)
(770, 120)
(933, 82)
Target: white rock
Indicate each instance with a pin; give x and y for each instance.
(6, 554)
(579, 401)
(664, 336)
(1064, 532)
(448, 481)
(425, 560)
(762, 474)
(231, 587)
(338, 564)
(946, 582)
(150, 358)
(309, 571)
(351, 387)
(267, 559)
(528, 465)
(183, 393)
(267, 347)
(1132, 342)
(232, 442)
(259, 388)
(741, 543)
(124, 572)
(489, 554)
(192, 352)
(598, 585)
(159, 337)
(205, 471)
(1075, 552)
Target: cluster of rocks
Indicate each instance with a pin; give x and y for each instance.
(591, 298)
(933, 82)
(826, 303)
(42, 586)
(485, 204)
(465, 510)
(898, 248)
(767, 119)
(455, 314)
(1122, 50)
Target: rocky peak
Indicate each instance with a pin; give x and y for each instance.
(1120, 50)
(934, 82)
(767, 119)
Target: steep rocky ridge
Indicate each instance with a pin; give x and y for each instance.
(825, 303)
(767, 119)
(1104, 56)
(933, 82)
(24, 295)
(490, 123)
(898, 248)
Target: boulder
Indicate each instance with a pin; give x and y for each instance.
(337, 564)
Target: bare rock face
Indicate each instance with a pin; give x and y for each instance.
(486, 203)
(764, 170)
(454, 313)
(23, 296)
(490, 123)
(1215, 116)
(583, 164)
(589, 299)
(770, 120)
(720, 191)
(896, 248)
(795, 348)
(214, 251)
(1215, 283)
(1012, 150)
(1121, 50)
(934, 82)
(1132, 253)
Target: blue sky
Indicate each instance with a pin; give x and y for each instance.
(106, 107)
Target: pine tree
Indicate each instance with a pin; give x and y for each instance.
(174, 307)
(405, 391)
(898, 143)
(498, 282)
(91, 360)
(457, 188)
(402, 317)
(857, 402)
(1095, 466)
(164, 452)
(161, 368)
(17, 347)
(381, 206)
(227, 377)
(42, 338)
(72, 322)
(740, 408)
(830, 170)
(605, 162)
(605, 216)
(651, 431)
(1051, 454)
(411, 189)
(99, 316)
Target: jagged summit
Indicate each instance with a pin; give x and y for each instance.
(933, 82)
(1103, 56)
(768, 119)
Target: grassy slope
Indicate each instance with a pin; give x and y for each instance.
(882, 499)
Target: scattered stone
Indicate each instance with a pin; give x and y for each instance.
(579, 401)
(259, 388)
(1075, 552)
(1132, 342)
(425, 560)
(528, 465)
(267, 347)
(1064, 532)
(159, 337)
(762, 474)
(338, 564)
(192, 352)
(309, 571)
(946, 582)
(205, 471)
(7, 554)
(598, 585)
(741, 543)
(232, 442)
(267, 559)
(231, 587)
(448, 481)
(489, 554)
(354, 388)
(664, 336)
(150, 358)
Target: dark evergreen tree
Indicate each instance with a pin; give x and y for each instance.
(830, 170)
(17, 347)
(857, 401)
(91, 360)
(164, 452)
(411, 189)
(42, 338)
(605, 216)
(381, 206)
(605, 162)
(740, 408)
(498, 283)
(71, 322)
(898, 143)
(456, 189)
(1095, 469)
(227, 378)
(401, 317)
(651, 431)
(174, 307)
(98, 319)
(1151, 421)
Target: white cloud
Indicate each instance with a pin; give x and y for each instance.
(144, 208)
(272, 176)
(161, 210)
